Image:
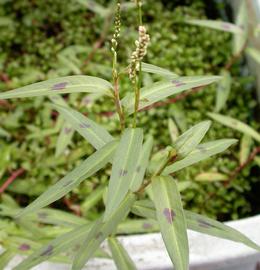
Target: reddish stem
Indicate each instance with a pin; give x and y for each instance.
(9, 181)
(74, 208)
(251, 157)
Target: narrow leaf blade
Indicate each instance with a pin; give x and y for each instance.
(190, 139)
(90, 166)
(158, 70)
(62, 85)
(235, 124)
(123, 168)
(161, 90)
(142, 164)
(218, 25)
(100, 231)
(202, 152)
(171, 219)
(120, 255)
(95, 134)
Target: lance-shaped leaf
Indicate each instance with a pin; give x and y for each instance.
(137, 226)
(171, 220)
(123, 168)
(189, 140)
(142, 164)
(158, 160)
(158, 70)
(95, 134)
(94, 7)
(254, 53)
(212, 227)
(245, 148)
(235, 124)
(100, 231)
(66, 132)
(211, 177)
(90, 166)
(161, 90)
(201, 152)
(62, 85)
(198, 223)
(5, 258)
(63, 243)
(223, 91)
(241, 21)
(218, 25)
(173, 130)
(120, 255)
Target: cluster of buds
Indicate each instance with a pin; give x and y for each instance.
(117, 28)
(139, 53)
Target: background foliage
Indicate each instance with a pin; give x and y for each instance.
(44, 39)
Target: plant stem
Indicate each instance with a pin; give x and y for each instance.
(139, 83)
(10, 180)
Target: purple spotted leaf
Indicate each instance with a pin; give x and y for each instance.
(124, 167)
(95, 134)
(163, 89)
(218, 25)
(170, 216)
(62, 85)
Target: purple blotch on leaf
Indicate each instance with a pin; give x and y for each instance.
(147, 225)
(42, 215)
(99, 235)
(225, 26)
(84, 125)
(178, 83)
(138, 169)
(123, 173)
(202, 148)
(67, 130)
(24, 247)
(47, 251)
(169, 215)
(59, 86)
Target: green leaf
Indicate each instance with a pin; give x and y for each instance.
(198, 223)
(235, 124)
(254, 53)
(90, 166)
(212, 227)
(218, 25)
(4, 133)
(5, 258)
(62, 85)
(158, 70)
(137, 226)
(61, 244)
(100, 231)
(94, 7)
(92, 199)
(95, 134)
(120, 255)
(245, 148)
(202, 152)
(190, 139)
(173, 130)
(211, 177)
(239, 41)
(170, 217)
(142, 164)
(161, 90)
(123, 168)
(223, 91)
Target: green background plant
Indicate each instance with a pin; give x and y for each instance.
(184, 49)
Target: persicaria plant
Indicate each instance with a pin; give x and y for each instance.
(135, 166)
